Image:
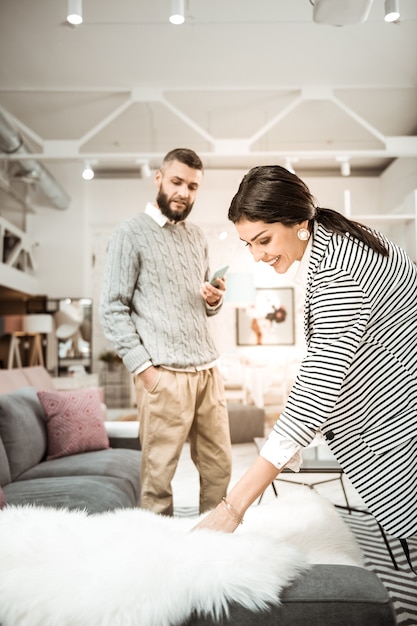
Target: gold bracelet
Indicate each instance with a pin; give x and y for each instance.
(232, 511)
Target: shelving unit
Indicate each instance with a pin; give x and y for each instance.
(116, 384)
(400, 226)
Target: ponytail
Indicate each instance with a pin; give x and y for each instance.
(338, 223)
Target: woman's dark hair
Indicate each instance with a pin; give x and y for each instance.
(270, 193)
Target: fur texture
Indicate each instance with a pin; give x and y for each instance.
(131, 567)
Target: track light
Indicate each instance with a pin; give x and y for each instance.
(345, 168)
(289, 161)
(177, 15)
(88, 172)
(145, 170)
(344, 165)
(392, 11)
(75, 12)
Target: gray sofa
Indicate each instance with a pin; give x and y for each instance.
(97, 481)
(102, 480)
(326, 595)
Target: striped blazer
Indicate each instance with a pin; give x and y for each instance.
(358, 381)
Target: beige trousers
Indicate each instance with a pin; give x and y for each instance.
(181, 406)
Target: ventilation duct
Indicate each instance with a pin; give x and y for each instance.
(29, 169)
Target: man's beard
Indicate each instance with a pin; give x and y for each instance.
(163, 203)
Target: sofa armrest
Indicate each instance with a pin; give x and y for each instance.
(68, 383)
(75, 382)
(123, 434)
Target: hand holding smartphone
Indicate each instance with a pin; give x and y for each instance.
(220, 273)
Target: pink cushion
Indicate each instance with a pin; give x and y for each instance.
(74, 422)
(2, 499)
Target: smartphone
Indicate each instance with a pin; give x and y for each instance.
(218, 274)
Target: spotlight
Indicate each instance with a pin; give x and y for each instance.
(344, 165)
(289, 161)
(177, 12)
(345, 168)
(75, 12)
(145, 170)
(88, 172)
(392, 12)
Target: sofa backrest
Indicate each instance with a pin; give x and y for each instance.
(22, 431)
(5, 477)
(12, 379)
(36, 376)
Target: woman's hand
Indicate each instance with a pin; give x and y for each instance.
(229, 513)
(219, 519)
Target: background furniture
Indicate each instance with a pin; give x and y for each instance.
(97, 481)
(37, 325)
(317, 459)
(325, 595)
(246, 422)
(116, 382)
(73, 332)
(102, 480)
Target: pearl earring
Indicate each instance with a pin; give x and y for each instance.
(303, 234)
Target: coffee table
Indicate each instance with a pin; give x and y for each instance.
(317, 459)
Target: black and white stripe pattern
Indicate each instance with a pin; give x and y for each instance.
(358, 382)
(401, 584)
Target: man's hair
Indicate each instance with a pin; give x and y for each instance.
(186, 156)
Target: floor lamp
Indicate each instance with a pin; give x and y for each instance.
(13, 326)
(37, 325)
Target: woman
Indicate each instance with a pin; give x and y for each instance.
(357, 383)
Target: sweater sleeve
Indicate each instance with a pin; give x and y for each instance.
(120, 275)
(210, 310)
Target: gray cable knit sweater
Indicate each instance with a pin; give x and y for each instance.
(150, 306)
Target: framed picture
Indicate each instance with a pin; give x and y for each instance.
(268, 322)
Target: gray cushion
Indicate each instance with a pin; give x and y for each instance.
(95, 494)
(22, 429)
(4, 466)
(325, 595)
(123, 464)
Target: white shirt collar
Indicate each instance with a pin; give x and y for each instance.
(301, 275)
(155, 213)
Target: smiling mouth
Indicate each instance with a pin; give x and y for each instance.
(180, 203)
(275, 260)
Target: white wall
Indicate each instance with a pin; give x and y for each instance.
(61, 240)
(72, 243)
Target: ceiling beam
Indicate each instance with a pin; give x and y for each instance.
(394, 147)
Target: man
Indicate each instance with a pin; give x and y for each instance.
(155, 304)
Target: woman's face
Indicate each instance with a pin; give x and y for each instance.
(274, 244)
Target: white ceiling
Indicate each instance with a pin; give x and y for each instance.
(242, 82)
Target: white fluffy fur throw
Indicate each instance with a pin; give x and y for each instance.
(134, 568)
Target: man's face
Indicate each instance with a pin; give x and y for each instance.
(177, 189)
